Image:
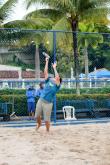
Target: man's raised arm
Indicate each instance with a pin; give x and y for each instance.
(46, 68)
(55, 70)
(57, 77)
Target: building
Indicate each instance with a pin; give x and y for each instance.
(14, 77)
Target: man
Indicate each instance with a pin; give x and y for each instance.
(45, 103)
(30, 94)
(40, 90)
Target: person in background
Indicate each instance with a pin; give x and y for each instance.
(40, 90)
(31, 94)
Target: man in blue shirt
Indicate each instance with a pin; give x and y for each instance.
(30, 94)
(40, 90)
(45, 103)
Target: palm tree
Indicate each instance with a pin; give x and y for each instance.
(6, 9)
(88, 39)
(20, 41)
(32, 38)
(74, 11)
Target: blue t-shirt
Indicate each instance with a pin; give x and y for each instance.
(38, 92)
(49, 90)
(30, 95)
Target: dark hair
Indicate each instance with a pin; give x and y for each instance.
(41, 85)
(60, 80)
(31, 88)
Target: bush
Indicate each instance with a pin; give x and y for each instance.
(12, 91)
(86, 90)
(83, 96)
(18, 98)
(62, 91)
(20, 101)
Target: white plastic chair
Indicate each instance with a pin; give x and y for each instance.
(69, 113)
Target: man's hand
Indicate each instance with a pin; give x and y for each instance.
(46, 59)
(54, 65)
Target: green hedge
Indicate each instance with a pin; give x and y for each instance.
(83, 96)
(12, 91)
(62, 91)
(20, 101)
(86, 90)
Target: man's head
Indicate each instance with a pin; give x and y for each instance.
(31, 87)
(58, 79)
(41, 85)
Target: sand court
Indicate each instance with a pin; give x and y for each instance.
(87, 144)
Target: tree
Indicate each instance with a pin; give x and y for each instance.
(88, 39)
(100, 55)
(6, 9)
(75, 11)
(29, 37)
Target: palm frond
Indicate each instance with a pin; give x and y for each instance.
(88, 27)
(64, 40)
(95, 15)
(38, 23)
(7, 8)
(33, 2)
(53, 14)
(62, 24)
(52, 3)
(84, 40)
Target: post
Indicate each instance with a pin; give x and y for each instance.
(54, 54)
(13, 101)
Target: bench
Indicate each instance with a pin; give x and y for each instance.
(103, 107)
(4, 111)
(86, 106)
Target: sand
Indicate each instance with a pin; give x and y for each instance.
(87, 144)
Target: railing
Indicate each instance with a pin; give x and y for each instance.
(67, 84)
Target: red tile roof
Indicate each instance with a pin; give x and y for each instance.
(28, 74)
(9, 74)
(15, 74)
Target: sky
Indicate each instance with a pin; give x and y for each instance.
(20, 11)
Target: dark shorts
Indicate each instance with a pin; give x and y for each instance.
(31, 106)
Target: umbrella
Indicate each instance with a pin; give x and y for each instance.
(82, 75)
(100, 73)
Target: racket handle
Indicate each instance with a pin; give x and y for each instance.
(46, 55)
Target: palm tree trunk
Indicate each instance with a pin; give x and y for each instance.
(37, 64)
(76, 59)
(86, 62)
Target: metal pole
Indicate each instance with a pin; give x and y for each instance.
(54, 55)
